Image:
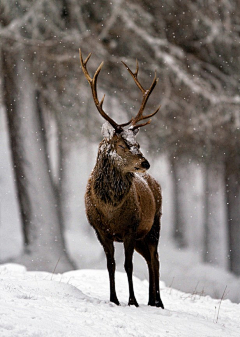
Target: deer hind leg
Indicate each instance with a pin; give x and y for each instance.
(111, 265)
(155, 264)
(152, 242)
(142, 248)
(128, 265)
(148, 249)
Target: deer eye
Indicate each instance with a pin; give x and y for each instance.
(122, 147)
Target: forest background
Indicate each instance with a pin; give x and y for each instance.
(50, 129)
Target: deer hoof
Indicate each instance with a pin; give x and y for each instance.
(115, 300)
(133, 301)
(159, 304)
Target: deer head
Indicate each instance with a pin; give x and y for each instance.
(120, 143)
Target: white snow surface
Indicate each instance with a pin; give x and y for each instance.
(76, 303)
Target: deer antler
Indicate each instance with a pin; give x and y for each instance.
(93, 84)
(146, 93)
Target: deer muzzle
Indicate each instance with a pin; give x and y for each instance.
(145, 164)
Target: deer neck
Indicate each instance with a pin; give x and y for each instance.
(111, 185)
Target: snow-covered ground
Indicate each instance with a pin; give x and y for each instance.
(76, 303)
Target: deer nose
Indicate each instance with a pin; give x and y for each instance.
(145, 164)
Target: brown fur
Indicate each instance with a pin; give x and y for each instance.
(123, 203)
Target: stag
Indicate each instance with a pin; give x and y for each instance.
(123, 202)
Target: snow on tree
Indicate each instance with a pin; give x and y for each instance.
(43, 236)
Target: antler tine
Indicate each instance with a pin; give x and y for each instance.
(133, 127)
(134, 75)
(84, 65)
(93, 85)
(146, 95)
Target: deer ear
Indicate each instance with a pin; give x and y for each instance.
(135, 131)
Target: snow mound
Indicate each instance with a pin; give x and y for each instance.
(183, 269)
(76, 304)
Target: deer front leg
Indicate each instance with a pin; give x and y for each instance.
(128, 265)
(111, 266)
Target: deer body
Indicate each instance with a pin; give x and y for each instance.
(123, 202)
(120, 199)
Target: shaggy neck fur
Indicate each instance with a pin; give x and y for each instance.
(110, 184)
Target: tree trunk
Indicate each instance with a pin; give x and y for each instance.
(44, 245)
(233, 211)
(64, 187)
(179, 203)
(215, 245)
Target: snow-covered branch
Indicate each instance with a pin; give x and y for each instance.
(174, 58)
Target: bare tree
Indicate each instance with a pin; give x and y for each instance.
(232, 181)
(39, 206)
